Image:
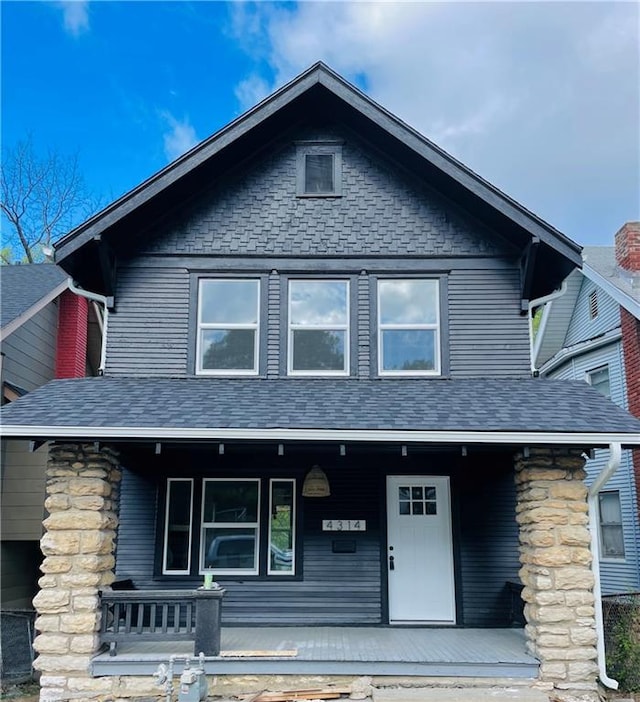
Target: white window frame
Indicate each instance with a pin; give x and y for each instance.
(201, 326)
(590, 373)
(230, 525)
(408, 327)
(319, 327)
(165, 570)
(603, 557)
(283, 573)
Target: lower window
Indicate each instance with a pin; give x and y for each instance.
(239, 532)
(611, 536)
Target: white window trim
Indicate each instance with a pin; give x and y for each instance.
(588, 375)
(230, 525)
(200, 326)
(427, 326)
(319, 327)
(165, 570)
(611, 559)
(283, 573)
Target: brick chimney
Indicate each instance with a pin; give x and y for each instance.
(628, 247)
(71, 355)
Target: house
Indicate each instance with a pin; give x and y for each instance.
(44, 329)
(317, 390)
(583, 337)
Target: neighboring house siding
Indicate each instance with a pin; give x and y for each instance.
(616, 575)
(582, 326)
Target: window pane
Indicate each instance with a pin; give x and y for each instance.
(611, 535)
(610, 511)
(178, 528)
(318, 303)
(230, 549)
(228, 349)
(408, 301)
(612, 542)
(229, 301)
(318, 175)
(317, 350)
(599, 379)
(408, 350)
(281, 527)
(230, 501)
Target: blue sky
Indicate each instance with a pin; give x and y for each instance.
(542, 99)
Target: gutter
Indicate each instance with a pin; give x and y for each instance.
(531, 306)
(103, 323)
(615, 455)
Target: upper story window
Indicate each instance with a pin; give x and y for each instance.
(319, 170)
(611, 535)
(318, 327)
(228, 322)
(409, 327)
(599, 379)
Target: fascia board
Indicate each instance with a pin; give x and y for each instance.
(621, 297)
(16, 323)
(586, 439)
(365, 106)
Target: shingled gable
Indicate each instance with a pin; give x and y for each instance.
(88, 252)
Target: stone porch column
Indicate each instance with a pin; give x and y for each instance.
(555, 554)
(78, 545)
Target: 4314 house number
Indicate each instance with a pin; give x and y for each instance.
(344, 525)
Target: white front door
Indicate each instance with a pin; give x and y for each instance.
(420, 550)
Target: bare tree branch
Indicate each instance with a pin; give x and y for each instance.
(41, 198)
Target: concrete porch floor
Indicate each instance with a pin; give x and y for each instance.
(342, 651)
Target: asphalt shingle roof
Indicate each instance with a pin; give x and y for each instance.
(533, 405)
(23, 286)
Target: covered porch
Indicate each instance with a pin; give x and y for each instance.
(344, 650)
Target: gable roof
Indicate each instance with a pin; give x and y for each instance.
(323, 94)
(513, 411)
(25, 290)
(601, 269)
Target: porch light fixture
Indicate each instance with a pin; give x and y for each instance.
(316, 483)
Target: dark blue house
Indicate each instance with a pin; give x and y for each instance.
(317, 390)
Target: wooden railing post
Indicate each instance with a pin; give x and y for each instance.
(208, 612)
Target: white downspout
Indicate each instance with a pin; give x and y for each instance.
(531, 306)
(615, 456)
(95, 297)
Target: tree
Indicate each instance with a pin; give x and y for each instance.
(42, 198)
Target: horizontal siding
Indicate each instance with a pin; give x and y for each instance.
(582, 327)
(30, 351)
(488, 336)
(148, 333)
(23, 491)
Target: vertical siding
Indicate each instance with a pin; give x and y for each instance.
(616, 575)
(582, 327)
(148, 333)
(487, 334)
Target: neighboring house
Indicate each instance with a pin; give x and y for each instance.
(43, 333)
(318, 390)
(582, 337)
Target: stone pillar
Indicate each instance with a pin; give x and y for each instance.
(78, 545)
(555, 553)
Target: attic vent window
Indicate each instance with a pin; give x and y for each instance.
(593, 304)
(319, 170)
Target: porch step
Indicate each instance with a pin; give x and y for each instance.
(466, 694)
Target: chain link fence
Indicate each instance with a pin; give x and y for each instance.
(621, 614)
(16, 644)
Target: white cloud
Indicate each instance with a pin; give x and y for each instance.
(76, 16)
(180, 137)
(542, 98)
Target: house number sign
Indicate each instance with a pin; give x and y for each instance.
(344, 525)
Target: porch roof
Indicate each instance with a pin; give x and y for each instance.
(475, 410)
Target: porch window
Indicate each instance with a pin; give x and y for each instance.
(611, 536)
(408, 327)
(228, 322)
(318, 327)
(230, 526)
(281, 527)
(176, 558)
